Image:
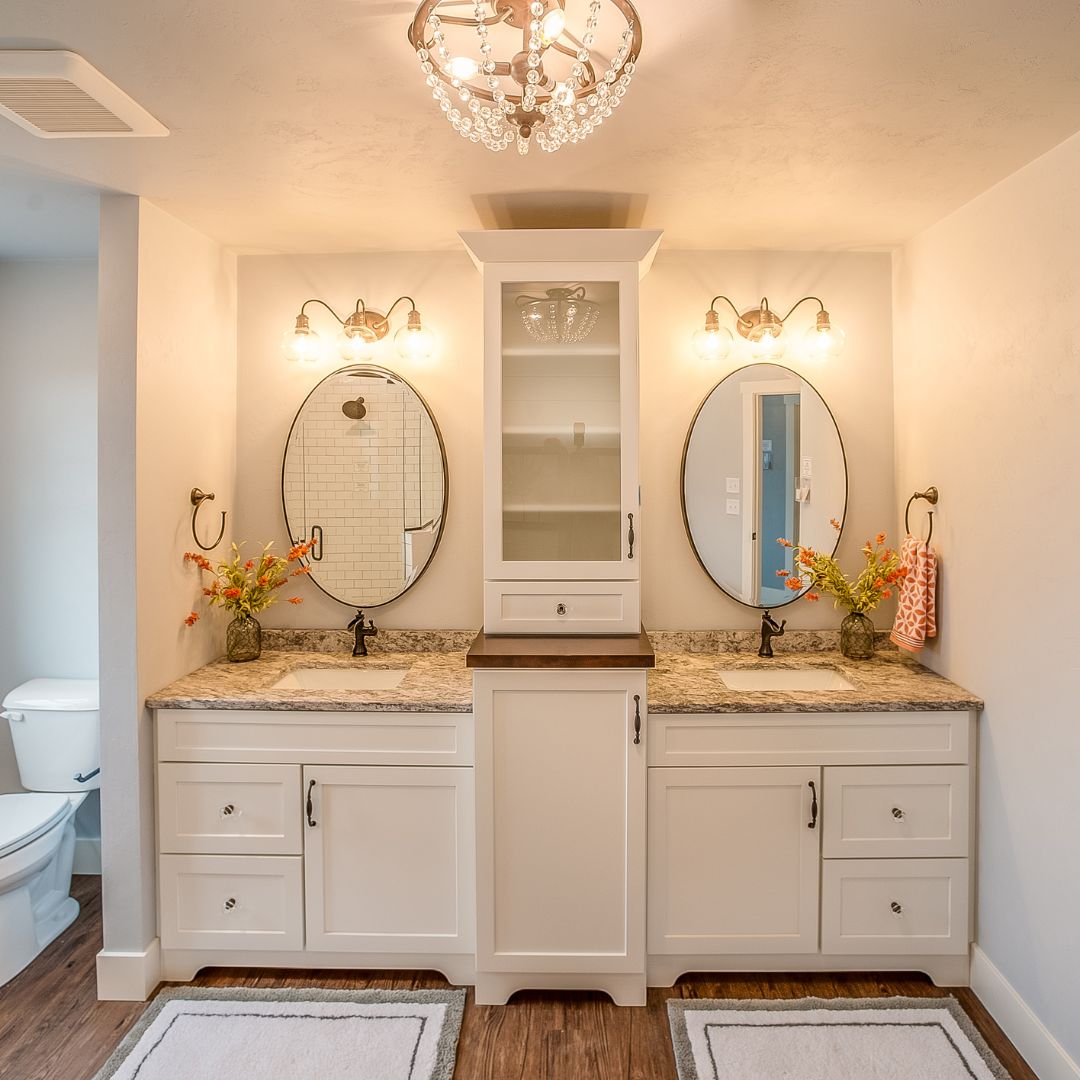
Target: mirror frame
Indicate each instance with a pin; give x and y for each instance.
(682, 479)
(373, 369)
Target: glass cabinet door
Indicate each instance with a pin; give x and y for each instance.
(562, 442)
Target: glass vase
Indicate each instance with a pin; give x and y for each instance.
(243, 639)
(857, 636)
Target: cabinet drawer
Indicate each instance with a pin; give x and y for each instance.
(837, 738)
(562, 607)
(917, 906)
(229, 809)
(231, 902)
(916, 811)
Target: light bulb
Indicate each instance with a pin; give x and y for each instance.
(553, 24)
(768, 346)
(712, 341)
(462, 67)
(824, 341)
(562, 95)
(355, 346)
(301, 343)
(413, 341)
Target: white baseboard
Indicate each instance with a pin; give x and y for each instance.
(128, 976)
(1014, 1016)
(87, 855)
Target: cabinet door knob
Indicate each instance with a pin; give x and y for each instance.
(229, 810)
(812, 823)
(630, 536)
(897, 909)
(637, 719)
(897, 813)
(560, 609)
(310, 806)
(229, 904)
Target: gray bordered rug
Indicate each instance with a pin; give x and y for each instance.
(897, 1038)
(235, 1033)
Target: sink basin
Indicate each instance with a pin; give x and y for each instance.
(792, 679)
(341, 679)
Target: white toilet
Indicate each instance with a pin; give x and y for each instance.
(55, 727)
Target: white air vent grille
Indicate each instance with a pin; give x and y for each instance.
(58, 95)
(56, 105)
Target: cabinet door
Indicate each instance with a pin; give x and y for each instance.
(388, 861)
(733, 860)
(561, 415)
(560, 821)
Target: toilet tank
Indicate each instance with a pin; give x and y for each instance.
(55, 728)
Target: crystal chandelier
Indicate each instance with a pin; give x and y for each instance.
(515, 69)
(563, 315)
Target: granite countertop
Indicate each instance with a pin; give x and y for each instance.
(437, 679)
(686, 678)
(689, 682)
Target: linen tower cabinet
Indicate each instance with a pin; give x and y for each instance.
(559, 667)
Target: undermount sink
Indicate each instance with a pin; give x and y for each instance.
(793, 679)
(341, 679)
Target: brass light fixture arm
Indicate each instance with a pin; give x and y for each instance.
(386, 318)
(316, 300)
(820, 305)
(738, 314)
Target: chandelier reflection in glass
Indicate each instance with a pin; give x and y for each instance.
(563, 315)
(504, 71)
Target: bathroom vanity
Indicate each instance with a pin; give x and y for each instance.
(606, 842)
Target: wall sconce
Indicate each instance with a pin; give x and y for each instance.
(359, 334)
(763, 329)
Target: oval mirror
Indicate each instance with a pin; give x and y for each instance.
(365, 476)
(763, 459)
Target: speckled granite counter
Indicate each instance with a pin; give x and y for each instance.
(690, 682)
(686, 678)
(437, 679)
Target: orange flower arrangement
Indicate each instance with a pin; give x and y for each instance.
(246, 587)
(820, 573)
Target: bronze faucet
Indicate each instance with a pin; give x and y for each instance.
(362, 633)
(769, 630)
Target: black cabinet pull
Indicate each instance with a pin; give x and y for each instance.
(630, 535)
(813, 806)
(637, 719)
(310, 806)
(316, 552)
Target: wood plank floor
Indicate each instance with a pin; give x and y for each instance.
(52, 1027)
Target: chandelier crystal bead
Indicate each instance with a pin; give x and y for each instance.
(545, 81)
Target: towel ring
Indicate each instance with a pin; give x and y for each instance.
(931, 496)
(197, 499)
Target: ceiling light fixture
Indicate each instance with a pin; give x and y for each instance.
(546, 79)
(360, 332)
(763, 330)
(562, 315)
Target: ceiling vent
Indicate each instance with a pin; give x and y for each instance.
(58, 95)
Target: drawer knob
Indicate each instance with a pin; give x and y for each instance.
(229, 904)
(897, 909)
(898, 813)
(229, 810)
(560, 609)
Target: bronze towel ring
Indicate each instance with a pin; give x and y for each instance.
(931, 496)
(197, 499)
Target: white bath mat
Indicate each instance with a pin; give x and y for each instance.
(240, 1034)
(837, 1039)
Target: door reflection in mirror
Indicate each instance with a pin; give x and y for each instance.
(763, 459)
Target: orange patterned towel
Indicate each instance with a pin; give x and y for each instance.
(916, 616)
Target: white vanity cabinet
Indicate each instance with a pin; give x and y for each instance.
(755, 816)
(562, 513)
(560, 832)
(315, 839)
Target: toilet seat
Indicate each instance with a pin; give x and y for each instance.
(25, 817)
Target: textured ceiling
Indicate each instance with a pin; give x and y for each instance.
(304, 125)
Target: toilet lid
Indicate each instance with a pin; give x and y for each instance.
(25, 817)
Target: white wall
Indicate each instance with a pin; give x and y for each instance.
(168, 400)
(48, 479)
(987, 312)
(858, 387)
